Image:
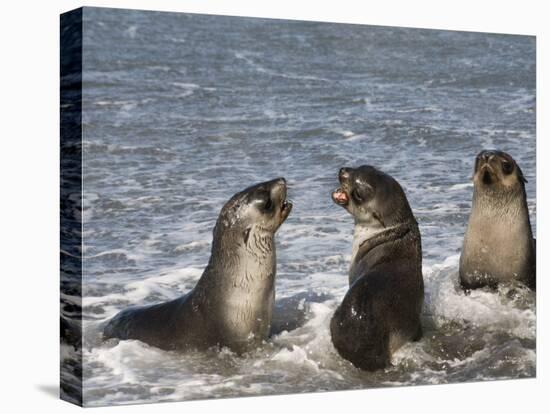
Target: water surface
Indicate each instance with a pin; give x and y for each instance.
(181, 111)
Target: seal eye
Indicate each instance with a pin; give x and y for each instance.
(356, 196)
(507, 167)
(268, 204)
(362, 192)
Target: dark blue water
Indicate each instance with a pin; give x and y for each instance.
(182, 111)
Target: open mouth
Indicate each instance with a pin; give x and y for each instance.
(286, 208)
(486, 174)
(340, 197)
(285, 205)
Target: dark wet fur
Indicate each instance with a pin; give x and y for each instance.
(381, 310)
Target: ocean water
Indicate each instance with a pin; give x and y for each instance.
(181, 111)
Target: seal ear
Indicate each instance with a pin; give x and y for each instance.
(246, 235)
(521, 177)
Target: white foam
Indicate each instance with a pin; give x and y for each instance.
(191, 246)
(305, 357)
(481, 308)
(461, 186)
(297, 357)
(167, 284)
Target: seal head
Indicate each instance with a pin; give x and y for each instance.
(375, 200)
(258, 209)
(498, 246)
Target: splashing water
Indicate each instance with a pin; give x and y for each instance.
(182, 111)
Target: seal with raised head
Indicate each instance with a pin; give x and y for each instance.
(381, 310)
(232, 303)
(498, 245)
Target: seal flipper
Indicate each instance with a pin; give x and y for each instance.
(122, 325)
(145, 323)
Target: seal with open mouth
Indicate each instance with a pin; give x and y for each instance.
(381, 310)
(498, 245)
(232, 303)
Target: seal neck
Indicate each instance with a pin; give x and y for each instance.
(509, 206)
(499, 198)
(390, 234)
(238, 256)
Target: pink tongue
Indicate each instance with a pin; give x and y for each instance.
(340, 195)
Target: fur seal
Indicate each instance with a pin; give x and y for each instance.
(381, 310)
(498, 246)
(232, 303)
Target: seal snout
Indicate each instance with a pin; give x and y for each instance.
(279, 194)
(488, 166)
(487, 176)
(340, 195)
(278, 189)
(486, 171)
(343, 174)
